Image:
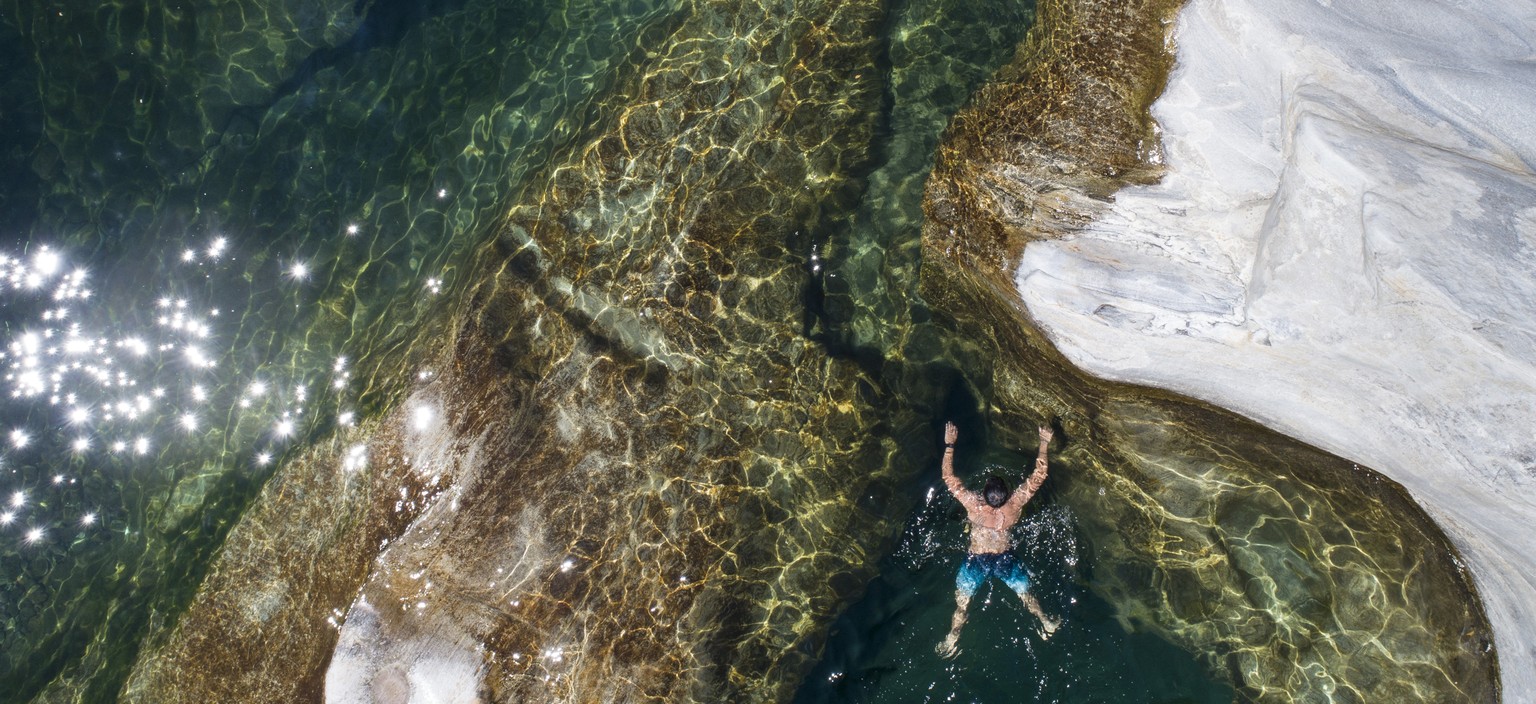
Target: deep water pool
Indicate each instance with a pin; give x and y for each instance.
(882, 648)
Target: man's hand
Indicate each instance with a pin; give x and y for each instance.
(1046, 433)
(951, 433)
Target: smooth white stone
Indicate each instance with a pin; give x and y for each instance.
(368, 667)
(1344, 248)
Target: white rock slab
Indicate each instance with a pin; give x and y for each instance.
(368, 667)
(1344, 248)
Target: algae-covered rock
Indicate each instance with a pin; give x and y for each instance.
(652, 486)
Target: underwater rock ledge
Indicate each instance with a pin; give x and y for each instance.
(630, 476)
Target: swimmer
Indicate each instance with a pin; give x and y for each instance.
(991, 514)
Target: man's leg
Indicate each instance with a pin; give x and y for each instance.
(1018, 581)
(949, 647)
(966, 581)
(1048, 625)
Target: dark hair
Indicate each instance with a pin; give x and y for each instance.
(996, 491)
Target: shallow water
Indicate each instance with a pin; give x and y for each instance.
(688, 280)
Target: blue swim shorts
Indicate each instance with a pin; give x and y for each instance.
(978, 568)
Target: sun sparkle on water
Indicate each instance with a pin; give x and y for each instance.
(131, 393)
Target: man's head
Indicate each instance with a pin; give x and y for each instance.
(996, 491)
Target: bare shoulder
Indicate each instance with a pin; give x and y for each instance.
(971, 501)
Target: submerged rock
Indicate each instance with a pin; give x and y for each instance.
(636, 479)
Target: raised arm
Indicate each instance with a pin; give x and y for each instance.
(1042, 468)
(951, 434)
(966, 498)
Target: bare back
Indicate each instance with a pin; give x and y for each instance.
(990, 526)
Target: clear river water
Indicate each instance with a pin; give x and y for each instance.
(234, 237)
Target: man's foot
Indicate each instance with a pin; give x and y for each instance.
(950, 646)
(1048, 627)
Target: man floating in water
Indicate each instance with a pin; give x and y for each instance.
(991, 513)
